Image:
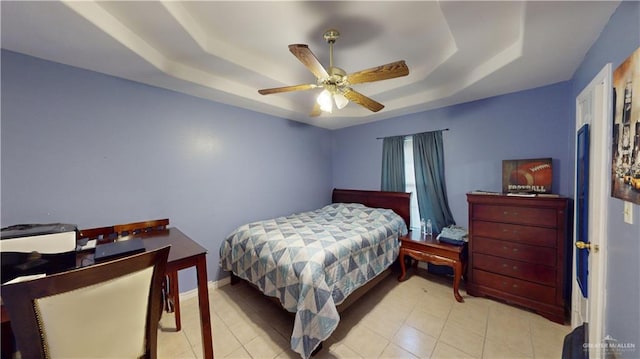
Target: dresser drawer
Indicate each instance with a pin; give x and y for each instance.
(520, 234)
(528, 271)
(529, 290)
(518, 215)
(521, 252)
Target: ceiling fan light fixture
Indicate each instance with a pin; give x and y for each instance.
(340, 100)
(325, 101)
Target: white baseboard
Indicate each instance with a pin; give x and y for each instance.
(220, 283)
(210, 284)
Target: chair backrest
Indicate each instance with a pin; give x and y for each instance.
(140, 227)
(105, 310)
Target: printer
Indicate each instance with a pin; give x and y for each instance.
(29, 249)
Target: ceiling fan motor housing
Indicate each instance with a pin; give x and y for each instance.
(331, 35)
(336, 80)
(337, 76)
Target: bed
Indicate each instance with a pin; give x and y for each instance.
(313, 261)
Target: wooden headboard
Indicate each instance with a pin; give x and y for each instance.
(399, 202)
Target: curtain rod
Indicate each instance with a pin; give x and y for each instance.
(411, 134)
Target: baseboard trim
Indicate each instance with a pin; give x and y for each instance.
(212, 285)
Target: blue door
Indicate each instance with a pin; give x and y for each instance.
(582, 208)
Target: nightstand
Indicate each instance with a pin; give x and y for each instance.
(429, 249)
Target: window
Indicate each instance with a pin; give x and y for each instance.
(410, 183)
(423, 173)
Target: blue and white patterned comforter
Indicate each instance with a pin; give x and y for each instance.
(312, 261)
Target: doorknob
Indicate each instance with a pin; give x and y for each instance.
(586, 245)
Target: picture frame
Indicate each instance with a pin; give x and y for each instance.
(625, 149)
(533, 175)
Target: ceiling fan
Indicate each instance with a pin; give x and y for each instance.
(336, 83)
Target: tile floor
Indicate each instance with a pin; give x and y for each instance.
(417, 318)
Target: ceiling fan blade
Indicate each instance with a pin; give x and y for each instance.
(287, 89)
(362, 100)
(383, 72)
(315, 112)
(310, 60)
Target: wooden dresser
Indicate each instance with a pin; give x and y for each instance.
(519, 251)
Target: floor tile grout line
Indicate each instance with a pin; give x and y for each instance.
(533, 348)
(486, 333)
(483, 337)
(191, 346)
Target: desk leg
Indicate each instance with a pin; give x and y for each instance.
(175, 296)
(457, 273)
(203, 301)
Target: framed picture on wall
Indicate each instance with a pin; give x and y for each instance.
(625, 151)
(533, 175)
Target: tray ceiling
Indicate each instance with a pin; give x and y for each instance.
(457, 51)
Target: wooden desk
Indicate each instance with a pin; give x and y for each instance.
(429, 249)
(184, 253)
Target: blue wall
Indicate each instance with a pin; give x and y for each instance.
(528, 124)
(618, 40)
(90, 149)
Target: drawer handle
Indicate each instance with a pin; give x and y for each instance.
(515, 249)
(505, 265)
(507, 248)
(507, 213)
(505, 284)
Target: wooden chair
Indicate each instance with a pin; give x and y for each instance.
(111, 309)
(172, 294)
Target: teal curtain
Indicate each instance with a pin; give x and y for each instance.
(428, 162)
(393, 164)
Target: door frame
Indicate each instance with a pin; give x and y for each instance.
(600, 187)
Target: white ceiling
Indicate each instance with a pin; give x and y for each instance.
(226, 51)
